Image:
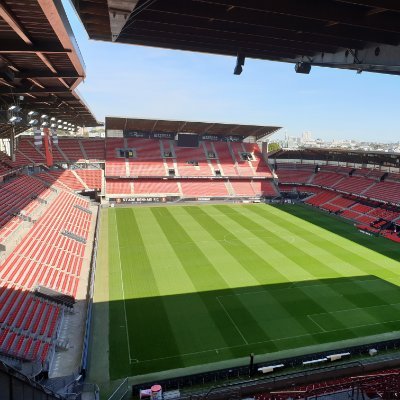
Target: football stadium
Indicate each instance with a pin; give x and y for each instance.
(180, 259)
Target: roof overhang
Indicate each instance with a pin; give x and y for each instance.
(382, 158)
(200, 128)
(40, 62)
(361, 35)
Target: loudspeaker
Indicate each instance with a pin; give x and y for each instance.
(302, 68)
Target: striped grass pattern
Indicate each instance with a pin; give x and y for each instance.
(191, 285)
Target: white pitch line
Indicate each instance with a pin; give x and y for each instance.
(316, 323)
(123, 295)
(233, 322)
(259, 342)
(355, 309)
(293, 285)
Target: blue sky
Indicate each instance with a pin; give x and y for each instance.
(134, 81)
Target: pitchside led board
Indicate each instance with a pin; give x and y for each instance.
(188, 140)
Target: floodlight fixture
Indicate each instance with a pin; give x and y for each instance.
(238, 70)
(15, 120)
(302, 67)
(60, 127)
(239, 64)
(53, 126)
(59, 121)
(44, 116)
(33, 114)
(53, 119)
(65, 123)
(14, 109)
(33, 122)
(44, 124)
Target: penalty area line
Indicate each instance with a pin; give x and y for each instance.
(253, 343)
(316, 323)
(232, 321)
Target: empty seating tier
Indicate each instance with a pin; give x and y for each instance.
(18, 198)
(260, 167)
(28, 324)
(387, 191)
(115, 166)
(93, 178)
(327, 178)
(72, 149)
(264, 188)
(244, 188)
(342, 202)
(192, 162)
(362, 182)
(204, 188)
(294, 175)
(147, 163)
(65, 179)
(156, 187)
(321, 198)
(361, 208)
(354, 184)
(225, 159)
(118, 186)
(147, 160)
(27, 153)
(94, 149)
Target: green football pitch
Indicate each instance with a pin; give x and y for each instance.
(191, 285)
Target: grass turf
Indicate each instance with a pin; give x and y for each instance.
(197, 284)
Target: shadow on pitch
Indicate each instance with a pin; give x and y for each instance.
(177, 331)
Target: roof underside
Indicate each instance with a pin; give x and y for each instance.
(340, 155)
(200, 128)
(40, 60)
(354, 34)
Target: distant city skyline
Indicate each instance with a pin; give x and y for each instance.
(134, 81)
(306, 140)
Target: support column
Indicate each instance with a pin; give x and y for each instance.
(12, 145)
(48, 147)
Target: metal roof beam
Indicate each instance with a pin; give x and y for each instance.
(211, 48)
(46, 75)
(327, 11)
(154, 18)
(165, 30)
(9, 63)
(237, 43)
(33, 90)
(56, 16)
(10, 46)
(10, 19)
(391, 5)
(215, 13)
(46, 62)
(90, 9)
